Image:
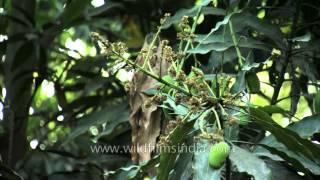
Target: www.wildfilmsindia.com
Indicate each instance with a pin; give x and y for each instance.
(123, 149)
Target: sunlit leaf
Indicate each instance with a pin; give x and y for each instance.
(288, 141)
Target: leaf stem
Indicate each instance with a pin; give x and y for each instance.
(235, 42)
(217, 118)
(151, 49)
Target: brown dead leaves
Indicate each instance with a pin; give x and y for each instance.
(145, 122)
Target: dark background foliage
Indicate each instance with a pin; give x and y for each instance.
(60, 94)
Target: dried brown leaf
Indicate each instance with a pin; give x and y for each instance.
(145, 122)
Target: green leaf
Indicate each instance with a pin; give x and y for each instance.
(133, 171)
(282, 172)
(205, 37)
(142, 168)
(109, 115)
(253, 83)
(22, 55)
(73, 10)
(288, 141)
(169, 79)
(202, 121)
(91, 172)
(217, 59)
(279, 152)
(19, 37)
(240, 83)
(316, 103)
(307, 126)
(303, 38)
(3, 47)
(201, 167)
(273, 109)
(98, 83)
(102, 9)
(232, 132)
(205, 48)
(151, 91)
(7, 173)
(27, 16)
(178, 109)
(213, 38)
(295, 162)
(212, 43)
(213, 11)
(248, 162)
(15, 19)
(295, 89)
(89, 64)
(167, 158)
(192, 12)
(113, 129)
(286, 136)
(183, 167)
(272, 31)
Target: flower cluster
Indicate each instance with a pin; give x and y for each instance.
(185, 33)
(155, 100)
(165, 18)
(167, 53)
(109, 49)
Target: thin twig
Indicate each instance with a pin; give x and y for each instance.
(193, 28)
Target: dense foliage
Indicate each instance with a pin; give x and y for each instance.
(238, 81)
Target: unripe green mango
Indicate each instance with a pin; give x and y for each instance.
(218, 154)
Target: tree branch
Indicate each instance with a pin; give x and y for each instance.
(287, 57)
